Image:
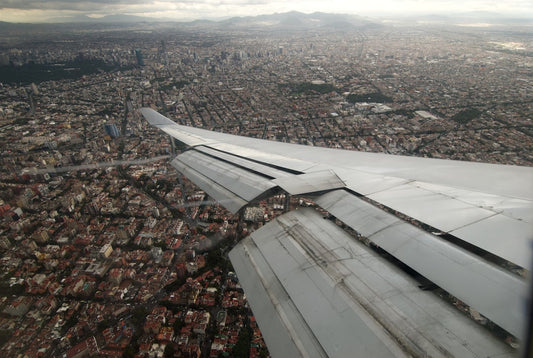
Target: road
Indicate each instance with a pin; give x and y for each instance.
(35, 171)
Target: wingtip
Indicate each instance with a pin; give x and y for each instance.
(153, 117)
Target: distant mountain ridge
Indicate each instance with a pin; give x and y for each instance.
(298, 20)
(290, 20)
(117, 18)
(287, 19)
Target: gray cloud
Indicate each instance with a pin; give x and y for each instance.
(81, 5)
(94, 4)
(87, 5)
(23, 10)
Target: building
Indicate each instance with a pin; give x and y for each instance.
(112, 130)
(139, 56)
(106, 250)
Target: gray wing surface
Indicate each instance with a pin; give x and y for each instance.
(454, 223)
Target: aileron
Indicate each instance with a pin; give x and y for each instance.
(230, 201)
(243, 183)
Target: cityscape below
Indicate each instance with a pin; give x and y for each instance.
(108, 251)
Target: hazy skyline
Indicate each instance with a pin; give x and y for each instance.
(184, 10)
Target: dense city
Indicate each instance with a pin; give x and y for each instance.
(108, 251)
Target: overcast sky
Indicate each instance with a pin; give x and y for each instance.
(39, 10)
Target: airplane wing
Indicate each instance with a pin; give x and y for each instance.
(317, 291)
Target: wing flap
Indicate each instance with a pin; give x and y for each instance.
(243, 183)
(300, 262)
(225, 197)
(493, 292)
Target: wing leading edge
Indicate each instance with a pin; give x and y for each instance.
(387, 199)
